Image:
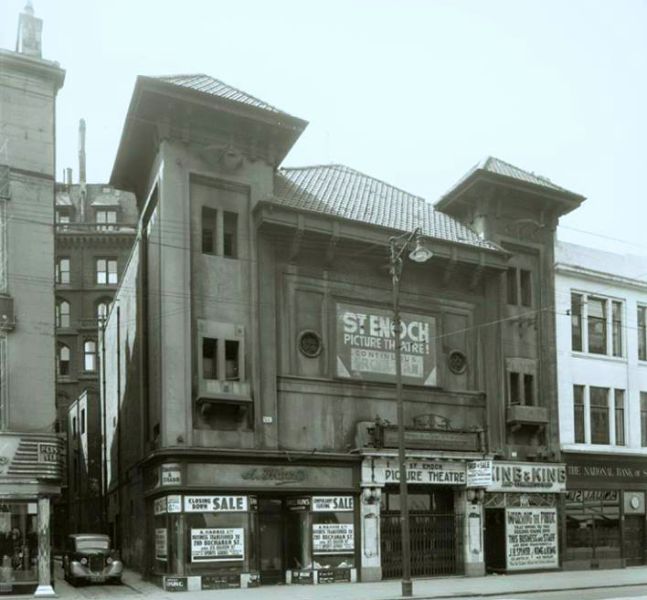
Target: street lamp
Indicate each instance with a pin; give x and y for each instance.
(398, 245)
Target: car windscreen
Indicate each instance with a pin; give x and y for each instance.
(89, 544)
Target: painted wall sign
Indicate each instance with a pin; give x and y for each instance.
(479, 473)
(215, 504)
(159, 506)
(40, 454)
(428, 472)
(170, 475)
(174, 504)
(602, 471)
(531, 538)
(365, 345)
(48, 453)
(217, 544)
(535, 477)
(161, 543)
(332, 503)
(333, 538)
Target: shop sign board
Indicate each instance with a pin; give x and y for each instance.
(420, 471)
(220, 582)
(217, 544)
(159, 506)
(602, 471)
(333, 575)
(161, 543)
(175, 584)
(332, 503)
(531, 538)
(170, 475)
(215, 503)
(527, 477)
(479, 473)
(173, 504)
(365, 345)
(333, 538)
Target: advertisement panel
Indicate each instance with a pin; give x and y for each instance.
(479, 473)
(332, 503)
(161, 543)
(422, 471)
(527, 477)
(332, 538)
(365, 345)
(215, 503)
(217, 544)
(531, 538)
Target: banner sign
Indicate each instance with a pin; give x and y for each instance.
(215, 503)
(332, 538)
(527, 477)
(429, 472)
(366, 345)
(161, 543)
(479, 474)
(217, 544)
(170, 475)
(332, 503)
(531, 538)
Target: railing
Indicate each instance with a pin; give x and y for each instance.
(96, 227)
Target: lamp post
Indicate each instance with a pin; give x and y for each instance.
(398, 245)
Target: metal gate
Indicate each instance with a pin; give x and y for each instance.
(436, 544)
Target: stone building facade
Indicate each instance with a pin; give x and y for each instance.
(249, 359)
(30, 470)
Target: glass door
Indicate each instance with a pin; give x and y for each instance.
(271, 555)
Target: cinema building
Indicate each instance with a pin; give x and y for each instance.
(249, 358)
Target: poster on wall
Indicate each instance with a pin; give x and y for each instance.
(332, 504)
(217, 544)
(332, 538)
(531, 538)
(365, 345)
(161, 543)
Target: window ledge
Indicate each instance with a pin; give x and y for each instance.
(616, 359)
(528, 415)
(216, 390)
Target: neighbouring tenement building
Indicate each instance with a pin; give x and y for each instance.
(30, 450)
(601, 307)
(95, 231)
(249, 359)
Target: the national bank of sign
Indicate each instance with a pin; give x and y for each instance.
(251, 345)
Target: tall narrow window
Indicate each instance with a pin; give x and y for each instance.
(643, 419)
(576, 322)
(3, 382)
(209, 230)
(515, 387)
(63, 360)
(209, 358)
(616, 330)
(597, 326)
(599, 399)
(528, 389)
(511, 285)
(62, 313)
(525, 285)
(230, 234)
(90, 355)
(578, 413)
(83, 422)
(106, 271)
(231, 360)
(619, 397)
(63, 270)
(642, 332)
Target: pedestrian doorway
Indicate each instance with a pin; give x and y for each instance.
(271, 541)
(436, 533)
(494, 540)
(634, 540)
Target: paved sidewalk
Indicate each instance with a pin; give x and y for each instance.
(493, 586)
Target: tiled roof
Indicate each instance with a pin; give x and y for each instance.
(340, 191)
(209, 85)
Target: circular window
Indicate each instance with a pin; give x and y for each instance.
(457, 362)
(310, 344)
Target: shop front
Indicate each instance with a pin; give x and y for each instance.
(253, 525)
(30, 475)
(605, 511)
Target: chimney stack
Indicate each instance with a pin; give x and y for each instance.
(82, 152)
(30, 30)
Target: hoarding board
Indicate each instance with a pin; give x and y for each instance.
(217, 544)
(365, 345)
(531, 538)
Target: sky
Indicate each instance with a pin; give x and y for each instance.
(412, 92)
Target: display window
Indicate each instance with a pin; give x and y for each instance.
(18, 543)
(593, 524)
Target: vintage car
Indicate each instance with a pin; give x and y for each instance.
(88, 558)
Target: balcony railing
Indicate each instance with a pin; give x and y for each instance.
(96, 228)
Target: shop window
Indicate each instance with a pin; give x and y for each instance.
(643, 419)
(19, 542)
(209, 230)
(578, 416)
(63, 360)
(106, 219)
(106, 271)
(63, 270)
(597, 325)
(230, 234)
(90, 355)
(642, 333)
(62, 313)
(599, 401)
(619, 409)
